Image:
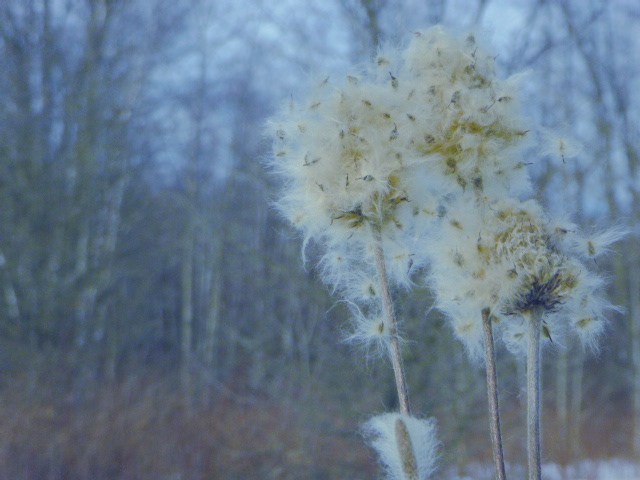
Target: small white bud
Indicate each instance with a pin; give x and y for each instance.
(407, 446)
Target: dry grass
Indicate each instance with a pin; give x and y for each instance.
(54, 427)
(143, 428)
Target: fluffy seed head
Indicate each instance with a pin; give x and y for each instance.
(505, 255)
(420, 150)
(379, 150)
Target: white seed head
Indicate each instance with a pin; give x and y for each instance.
(421, 151)
(506, 256)
(382, 148)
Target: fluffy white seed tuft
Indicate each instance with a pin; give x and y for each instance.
(407, 446)
(560, 146)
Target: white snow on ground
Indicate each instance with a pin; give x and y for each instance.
(613, 469)
(616, 469)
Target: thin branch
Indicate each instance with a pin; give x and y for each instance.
(492, 393)
(534, 320)
(390, 320)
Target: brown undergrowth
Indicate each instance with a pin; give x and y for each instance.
(55, 427)
(143, 427)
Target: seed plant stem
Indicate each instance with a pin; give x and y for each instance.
(534, 320)
(390, 320)
(492, 393)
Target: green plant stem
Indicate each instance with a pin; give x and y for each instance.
(492, 394)
(390, 320)
(534, 320)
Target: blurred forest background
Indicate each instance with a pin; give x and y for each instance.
(156, 320)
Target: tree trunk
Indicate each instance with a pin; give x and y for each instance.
(634, 318)
(186, 314)
(213, 318)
